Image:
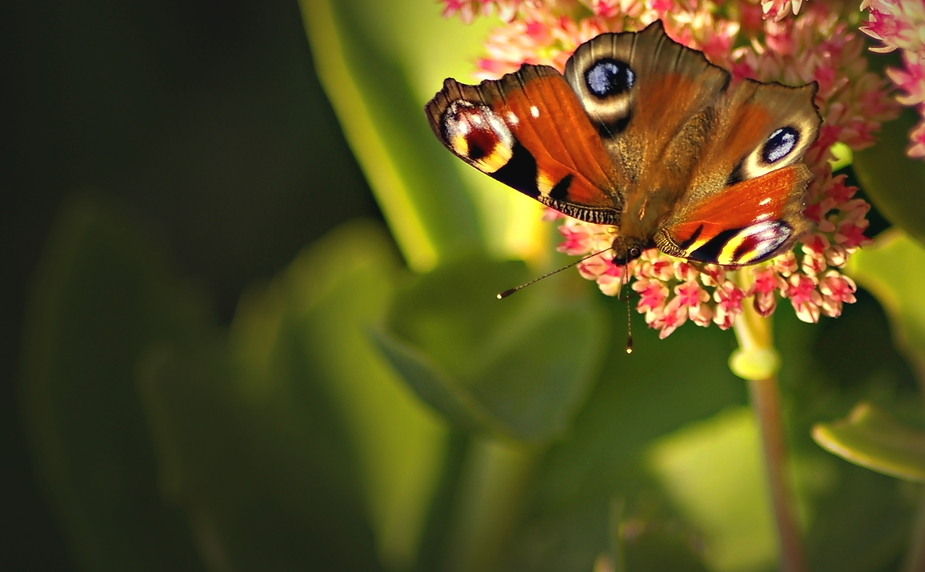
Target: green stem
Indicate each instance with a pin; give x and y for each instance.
(766, 404)
(756, 360)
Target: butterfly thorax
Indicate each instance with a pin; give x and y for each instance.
(639, 222)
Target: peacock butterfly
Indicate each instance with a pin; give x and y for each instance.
(645, 134)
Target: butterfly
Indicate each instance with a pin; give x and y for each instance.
(644, 134)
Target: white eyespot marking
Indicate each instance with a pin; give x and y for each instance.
(534, 111)
(755, 243)
(779, 144)
(607, 87)
(478, 135)
(609, 77)
(511, 119)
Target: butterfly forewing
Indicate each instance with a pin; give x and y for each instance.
(649, 97)
(528, 130)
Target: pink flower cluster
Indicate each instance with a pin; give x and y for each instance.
(469, 9)
(900, 24)
(777, 10)
(813, 46)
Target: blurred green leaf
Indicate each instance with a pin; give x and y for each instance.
(102, 297)
(871, 438)
(265, 477)
(894, 271)
(331, 453)
(486, 505)
(861, 524)
(660, 388)
(434, 386)
(370, 88)
(344, 285)
(659, 546)
(892, 180)
(713, 472)
(380, 62)
(522, 365)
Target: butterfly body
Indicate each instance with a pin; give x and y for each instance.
(646, 135)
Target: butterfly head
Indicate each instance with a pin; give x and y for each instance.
(627, 249)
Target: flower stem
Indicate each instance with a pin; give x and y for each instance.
(756, 361)
(766, 404)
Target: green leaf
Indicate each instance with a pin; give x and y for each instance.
(894, 271)
(661, 387)
(522, 365)
(433, 385)
(371, 86)
(871, 438)
(862, 522)
(379, 63)
(892, 180)
(713, 472)
(310, 453)
(344, 285)
(265, 475)
(102, 297)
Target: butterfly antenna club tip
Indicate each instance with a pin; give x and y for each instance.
(509, 291)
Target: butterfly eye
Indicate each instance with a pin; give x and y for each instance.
(634, 253)
(780, 144)
(609, 77)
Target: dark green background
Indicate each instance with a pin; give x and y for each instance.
(204, 124)
(202, 121)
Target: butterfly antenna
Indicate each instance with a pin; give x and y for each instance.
(629, 315)
(506, 293)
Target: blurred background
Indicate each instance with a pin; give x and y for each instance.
(202, 122)
(192, 363)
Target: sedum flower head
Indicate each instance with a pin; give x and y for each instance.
(767, 40)
(900, 25)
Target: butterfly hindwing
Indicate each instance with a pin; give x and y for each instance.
(745, 199)
(753, 221)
